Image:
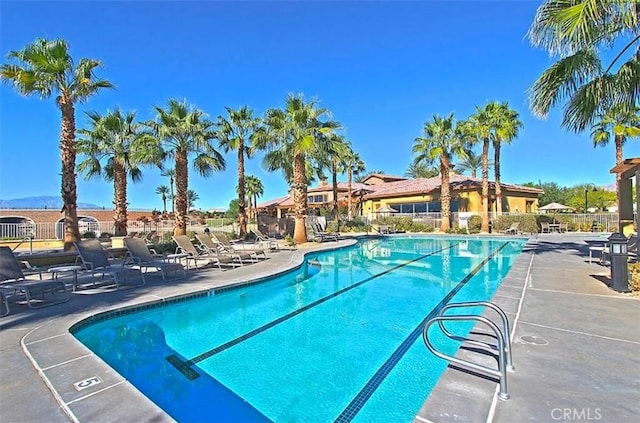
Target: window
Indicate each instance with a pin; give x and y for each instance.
(315, 199)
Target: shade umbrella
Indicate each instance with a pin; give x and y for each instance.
(386, 209)
(554, 207)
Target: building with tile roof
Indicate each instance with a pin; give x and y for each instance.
(379, 193)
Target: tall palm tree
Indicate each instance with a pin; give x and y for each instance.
(506, 129)
(420, 169)
(183, 131)
(482, 123)
(471, 162)
(117, 139)
(44, 68)
(622, 124)
(355, 166)
(294, 132)
(332, 153)
(235, 133)
(171, 173)
(192, 197)
(440, 144)
(163, 190)
(254, 189)
(582, 34)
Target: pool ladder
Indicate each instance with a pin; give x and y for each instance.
(502, 335)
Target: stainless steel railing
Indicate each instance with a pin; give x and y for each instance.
(503, 348)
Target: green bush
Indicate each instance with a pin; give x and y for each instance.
(165, 247)
(457, 230)
(529, 223)
(474, 224)
(106, 235)
(88, 235)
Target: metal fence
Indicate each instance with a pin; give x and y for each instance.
(42, 231)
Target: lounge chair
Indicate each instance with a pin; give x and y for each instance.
(260, 237)
(138, 254)
(186, 247)
(95, 260)
(14, 283)
(320, 235)
(152, 238)
(513, 229)
(223, 244)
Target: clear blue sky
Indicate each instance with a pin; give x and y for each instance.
(382, 68)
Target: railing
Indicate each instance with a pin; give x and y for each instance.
(50, 230)
(502, 335)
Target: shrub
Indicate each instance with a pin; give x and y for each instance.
(88, 235)
(457, 230)
(529, 223)
(165, 247)
(474, 224)
(106, 235)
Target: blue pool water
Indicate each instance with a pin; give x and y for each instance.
(337, 340)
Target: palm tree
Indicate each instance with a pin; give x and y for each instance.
(440, 143)
(46, 67)
(163, 190)
(581, 33)
(184, 131)
(293, 133)
(481, 124)
(192, 197)
(470, 162)
(254, 189)
(171, 173)
(620, 122)
(117, 139)
(332, 153)
(420, 169)
(355, 166)
(505, 130)
(233, 134)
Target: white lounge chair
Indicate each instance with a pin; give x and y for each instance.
(95, 260)
(14, 283)
(138, 254)
(185, 246)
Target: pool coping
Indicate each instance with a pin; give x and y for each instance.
(65, 365)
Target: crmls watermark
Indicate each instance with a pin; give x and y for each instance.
(576, 414)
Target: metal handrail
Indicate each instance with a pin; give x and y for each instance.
(505, 328)
(501, 373)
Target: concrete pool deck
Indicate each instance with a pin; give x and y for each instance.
(584, 366)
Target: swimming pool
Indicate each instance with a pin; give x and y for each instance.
(335, 340)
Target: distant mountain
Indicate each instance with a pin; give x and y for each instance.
(44, 202)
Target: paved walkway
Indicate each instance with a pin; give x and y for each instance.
(583, 365)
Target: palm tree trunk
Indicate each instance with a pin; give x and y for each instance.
(485, 186)
(255, 206)
(445, 194)
(164, 203)
(496, 168)
(349, 177)
(299, 198)
(69, 188)
(242, 212)
(120, 199)
(173, 196)
(182, 182)
(474, 173)
(619, 140)
(334, 186)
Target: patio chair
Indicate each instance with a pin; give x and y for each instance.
(224, 245)
(513, 229)
(261, 237)
(544, 228)
(95, 260)
(320, 235)
(15, 283)
(138, 254)
(185, 246)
